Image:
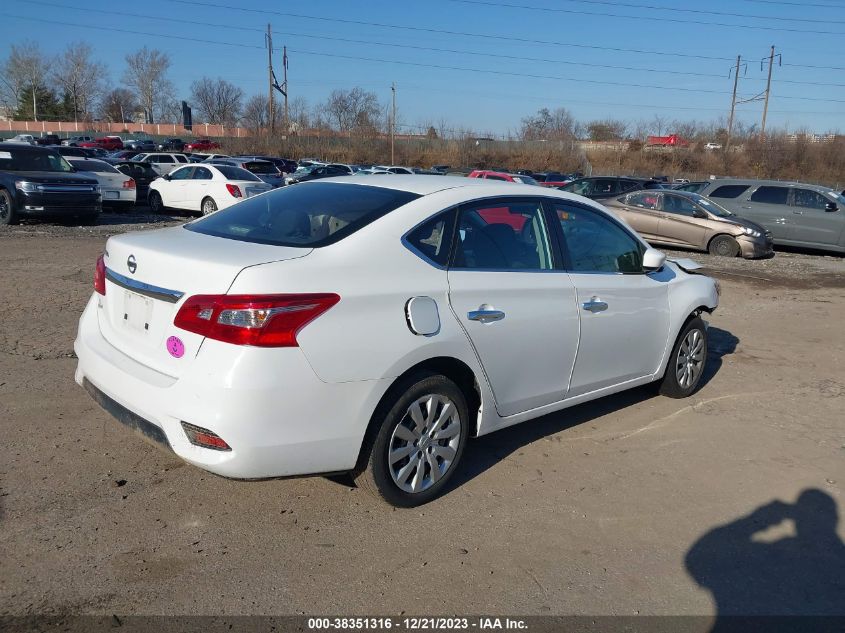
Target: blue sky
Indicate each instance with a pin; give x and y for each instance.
(570, 50)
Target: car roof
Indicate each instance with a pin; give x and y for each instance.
(424, 185)
(754, 182)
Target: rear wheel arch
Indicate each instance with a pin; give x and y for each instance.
(455, 370)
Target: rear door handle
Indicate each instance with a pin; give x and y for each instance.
(796, 212)
(595, 305)
(486, 316)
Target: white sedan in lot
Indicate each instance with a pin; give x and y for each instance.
(204, 188)
(117, 189)
(372, 326)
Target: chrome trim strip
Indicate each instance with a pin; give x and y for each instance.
(66, 188)
(155, 292)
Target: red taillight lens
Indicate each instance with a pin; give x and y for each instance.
(100, 276)
(234, 190)
(257, 320)
(129, 184)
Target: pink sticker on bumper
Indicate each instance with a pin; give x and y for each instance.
(175, 346)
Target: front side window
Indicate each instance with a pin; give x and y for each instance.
(309, 215)
(729, 191)
(604, 186)
(808, 199)
(771, 195)
(433, 238)
(163, 159)
(596, 244)
(492, 177)
(502, 235)
(679, 205)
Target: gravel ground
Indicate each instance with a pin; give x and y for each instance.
(606, 508)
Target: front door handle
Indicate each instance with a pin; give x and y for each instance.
(595, 305)
(796, 212)
(485, 316)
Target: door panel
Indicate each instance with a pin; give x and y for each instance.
(516, 309)
(811, 223)
(624, 314)
(678, 223)
(767, 205)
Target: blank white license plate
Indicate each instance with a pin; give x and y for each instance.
(112, 195)
(137, 311)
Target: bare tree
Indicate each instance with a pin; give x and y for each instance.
(146, 75)
(351, 109)
(557, 125)
(607, 130)
(80, 77)
(217, 100)
(256, 112)
(25, 70)
(119, 105)
(298, 114)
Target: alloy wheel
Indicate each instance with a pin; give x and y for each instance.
(424, 444)
(690, 360)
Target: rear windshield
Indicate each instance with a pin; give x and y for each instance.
(93, 165)
(29, 160)
(308, 214)
(261, 168)
(236, 173)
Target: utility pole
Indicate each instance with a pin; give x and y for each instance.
(733, 104)
(393, 124)
(271, 80)
(768, 90)
(285, 89)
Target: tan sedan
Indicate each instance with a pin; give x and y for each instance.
(687, 220)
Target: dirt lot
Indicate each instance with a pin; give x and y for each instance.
(600, 509)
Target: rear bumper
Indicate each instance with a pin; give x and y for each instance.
(267, 404)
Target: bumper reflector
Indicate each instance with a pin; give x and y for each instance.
(199, 436)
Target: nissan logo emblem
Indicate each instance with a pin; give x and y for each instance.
(131, 264)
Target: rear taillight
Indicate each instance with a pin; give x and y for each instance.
(100, 276)
(129, 184)
(234, 190)
(257, 320)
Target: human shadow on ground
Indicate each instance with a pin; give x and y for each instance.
(771, 576)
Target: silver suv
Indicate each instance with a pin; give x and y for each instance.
(797, 214)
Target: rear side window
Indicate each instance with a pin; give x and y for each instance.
(309, 215)
(728, 191)
(261, 168)
(491, 177)
(509, 235)
(771, 195)
(433, 238)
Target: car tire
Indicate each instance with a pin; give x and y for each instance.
(155, 202)
(423, 425)
(687, 363)
(7, 209)
(723, 245)
(208, 206)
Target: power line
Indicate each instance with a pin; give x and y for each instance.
(417, 64)
(427, 48)
(651, 7)
(506, 38)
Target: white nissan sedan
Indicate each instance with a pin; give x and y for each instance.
(204, 188)
(353, 326)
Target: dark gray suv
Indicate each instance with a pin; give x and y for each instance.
(797, 214)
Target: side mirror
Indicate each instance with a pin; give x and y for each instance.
(653, 260)
(700, 214)
(166, 176)
(830, 207)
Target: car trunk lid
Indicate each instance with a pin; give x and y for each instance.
(150, 274)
